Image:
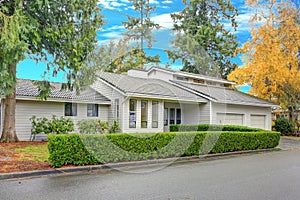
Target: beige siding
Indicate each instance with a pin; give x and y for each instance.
(160, 75)
(112, 94)
(205, 113)
(190, 113)
(137, 73)
(246, 111)
(26, 109)
(82, 114)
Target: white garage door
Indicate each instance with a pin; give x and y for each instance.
(230, 119)
(258, 121)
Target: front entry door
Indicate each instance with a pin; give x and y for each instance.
(171, 116)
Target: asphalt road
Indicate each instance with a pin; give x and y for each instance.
(272, 175)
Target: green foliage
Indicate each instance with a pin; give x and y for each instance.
(140, 29)
(211, 127)
(38, 153)
(92, 126)
(61, 33)
(39, 125)
(67, 36)
(60, 125)
(203, 44)
(79, 149)
(285, 126)
(114, 127)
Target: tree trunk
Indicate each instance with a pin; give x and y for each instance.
(9, 130)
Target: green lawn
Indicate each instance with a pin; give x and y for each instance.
(37, 153)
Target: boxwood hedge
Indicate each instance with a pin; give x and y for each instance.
(80, 149)
(211, 127)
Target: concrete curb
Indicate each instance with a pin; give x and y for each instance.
(111, 166)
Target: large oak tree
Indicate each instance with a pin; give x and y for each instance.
(62, 32)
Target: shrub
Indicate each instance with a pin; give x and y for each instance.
(114, 127)
(285, 126)
(210, 127)
(92, 126)
(82, 149)
(60, 125)
(39, 125)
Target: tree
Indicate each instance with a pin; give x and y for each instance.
(272, 64)
(140, 30)
(202, 42)
(63, 31)
(117, 56)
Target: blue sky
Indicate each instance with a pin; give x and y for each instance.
(115, 12)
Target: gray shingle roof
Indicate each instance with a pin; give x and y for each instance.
(26, 88)
(225, 95)
(155, 88)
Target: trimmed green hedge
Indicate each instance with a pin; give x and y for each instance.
(211, 127)
(79, 149)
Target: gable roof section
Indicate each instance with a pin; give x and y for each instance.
(148, 88)
(225, 95)
(27, 90)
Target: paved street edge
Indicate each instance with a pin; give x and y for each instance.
(114, 166)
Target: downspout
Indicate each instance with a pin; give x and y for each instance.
(210, 113)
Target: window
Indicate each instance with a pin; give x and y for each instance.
(180, 78)
(211, 83)
(178, 116)
(132, 113)
(117, 109)
(198, 81)
(144, 114)
(92, 110)
(166, 117)
(70, 109)
(154, 114)
(172, 115)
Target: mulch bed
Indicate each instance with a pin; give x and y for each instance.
(11, 161)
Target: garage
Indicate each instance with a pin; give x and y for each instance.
(258, 121)
(230, 119)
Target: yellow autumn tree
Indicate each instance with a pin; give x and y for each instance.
(272, 55)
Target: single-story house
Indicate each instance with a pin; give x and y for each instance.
(89, 104)
(145, 101)
(182, 98)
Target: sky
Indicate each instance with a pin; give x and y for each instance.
(115, 12)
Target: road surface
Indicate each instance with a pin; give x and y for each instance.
(273, 175)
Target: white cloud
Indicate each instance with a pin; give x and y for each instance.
(163, 20)
(112, 35)
(113, 4)
(112, 28)
(167, 2)
(153, 2)
(117, 4)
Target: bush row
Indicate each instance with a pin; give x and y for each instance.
(211, 127)
(80, 149)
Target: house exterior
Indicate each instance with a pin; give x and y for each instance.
(182, 98)
(145, 101)
(88, 105)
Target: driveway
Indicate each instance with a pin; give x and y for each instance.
(289, 143)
